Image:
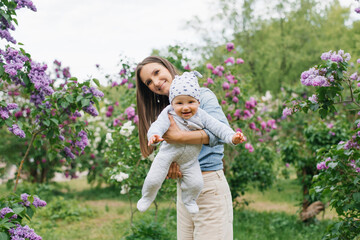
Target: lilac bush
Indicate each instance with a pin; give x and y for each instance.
(338, 165)
(53, 103)
(15, 211)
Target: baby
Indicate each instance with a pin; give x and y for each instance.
(184, 97)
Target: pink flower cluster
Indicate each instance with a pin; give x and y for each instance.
(322, 165)
(249, 147)
(334, 56)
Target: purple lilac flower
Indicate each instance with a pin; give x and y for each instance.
(38, 98)
(225, 85)
(247, 114)
(209, 66)
(235, 99)
(130, 112)
(91, 110)
(41, 82)
(358, 61)
(12, 106)
(249, 147)
(61, 137)
(210, 81)
(5, 211)
(23, 232)
(357, 10)
(286, 112)
(313, 98)
(272, 123)
(122, 71)
(4, 34)
(16, 130)
(326, 55)
(237, 113)
(336, 58)
(24, 197)
(187, 67)
(96, 92)
(322, 165)
(236, 91)
(230, 46)
(84, 140)
(125, 80)
(25, 3)
(230, 60)
(66, 72)
(68, 153)
(240, 61)
(229, 117)
(38, 202)
(14, 59)
(4, 113)
(251, 103)
(136, 119)
(354, 76)
(58, 63)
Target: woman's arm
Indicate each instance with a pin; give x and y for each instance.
(175, 135)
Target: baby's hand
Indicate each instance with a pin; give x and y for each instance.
(155, 139)
(238, 138)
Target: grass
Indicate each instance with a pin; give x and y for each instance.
(86, 212)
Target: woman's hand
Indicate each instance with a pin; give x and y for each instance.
(174, 133)
(174, 171)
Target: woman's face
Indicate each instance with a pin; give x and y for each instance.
(156, 77)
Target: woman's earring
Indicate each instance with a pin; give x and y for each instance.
(158, 100)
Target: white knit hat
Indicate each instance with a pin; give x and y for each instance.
(186, 84)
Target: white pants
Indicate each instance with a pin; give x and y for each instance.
(215, 218)
(186, 155)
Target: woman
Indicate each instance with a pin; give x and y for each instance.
(214, 220)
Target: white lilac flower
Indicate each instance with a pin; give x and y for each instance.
(127, 129)
(109, 140)
(267, 96)
(124, 189)
(120, 177)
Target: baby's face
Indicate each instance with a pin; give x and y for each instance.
(185, 106)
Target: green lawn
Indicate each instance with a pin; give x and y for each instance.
(78, 211)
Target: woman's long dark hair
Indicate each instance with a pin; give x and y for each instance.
(149, 105)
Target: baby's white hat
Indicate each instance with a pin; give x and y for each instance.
(186, 84)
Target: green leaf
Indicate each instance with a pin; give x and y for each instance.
(74, 79)
(356, 197)
(54, 120)
(46, 122)
(64, 104)
(1, 70)
(85, 102)
(323, 113)
(9, 122)
(9, 225)
(30, 212)
(78, 98)
(332, 165)
(4, 236)
(18, 210)
(96, 82)
(69, 98)
(26, 79)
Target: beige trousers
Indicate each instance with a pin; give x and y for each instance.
(215, 218)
